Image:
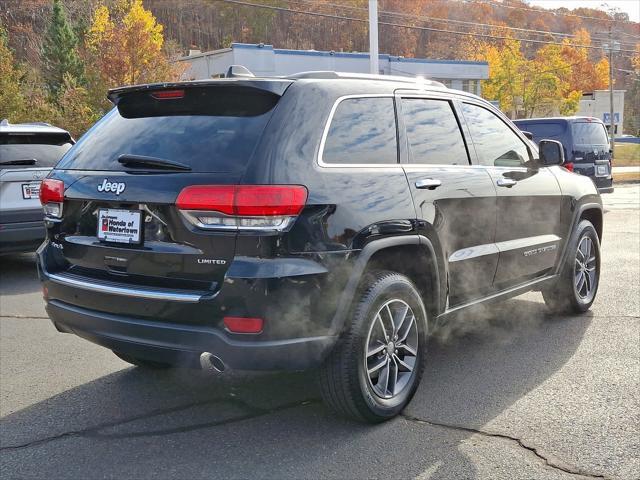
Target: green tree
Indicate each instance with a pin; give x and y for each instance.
(60, 51)
(12, 102)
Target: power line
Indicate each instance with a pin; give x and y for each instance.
(544, 10)
(410, 27)
(439, 20)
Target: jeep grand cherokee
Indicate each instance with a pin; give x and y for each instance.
(321, 220)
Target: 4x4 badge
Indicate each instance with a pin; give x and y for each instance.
(115, 187)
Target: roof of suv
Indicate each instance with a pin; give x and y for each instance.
(278, 85)
(558, 119)
(38, 127)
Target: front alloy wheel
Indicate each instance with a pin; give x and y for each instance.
(577, 284)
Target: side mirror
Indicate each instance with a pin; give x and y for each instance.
(529, 135)
(551, 153)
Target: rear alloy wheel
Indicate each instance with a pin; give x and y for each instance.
(576, 287)
(375, 368)
(392, 349)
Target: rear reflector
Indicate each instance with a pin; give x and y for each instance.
(243, 324)
(168, 94)
(568, 166)
(244, 200)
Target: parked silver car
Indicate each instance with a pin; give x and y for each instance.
(27, 153)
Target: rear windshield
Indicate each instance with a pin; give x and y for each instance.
(542, 131)
(32, 150)
(208, 129)
(585, 133)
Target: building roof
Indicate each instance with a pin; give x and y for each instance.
(331, 53)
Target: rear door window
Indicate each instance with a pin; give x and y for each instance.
(32, 150)
(585, 133)
(362, 131)
(209, 129)
(433, 132)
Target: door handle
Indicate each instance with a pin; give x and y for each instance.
(506, 182)
(428, 183)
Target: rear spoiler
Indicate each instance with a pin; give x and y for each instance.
(275, 86)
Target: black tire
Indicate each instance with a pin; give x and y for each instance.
(345, 382)
(564, 296)
(139, 362)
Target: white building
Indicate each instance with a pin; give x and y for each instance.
(597, 105)
(264, 60)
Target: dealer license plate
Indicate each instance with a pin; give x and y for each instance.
(30, 190)
(121, 226)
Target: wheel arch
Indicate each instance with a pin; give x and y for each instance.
(585, 211)
(410, 255)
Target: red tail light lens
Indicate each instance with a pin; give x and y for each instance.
(51, 191)
(244, 200)
(243, 324)
(52, 197)
(568, 166)
(242, 207)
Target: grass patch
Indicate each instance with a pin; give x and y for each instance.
(627, 177)
(627, 155)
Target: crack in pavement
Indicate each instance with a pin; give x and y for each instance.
(563, 467)
(94, 432)
(25, 316)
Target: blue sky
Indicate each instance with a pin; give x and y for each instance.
(632, 7)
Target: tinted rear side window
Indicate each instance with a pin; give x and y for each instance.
(363, 130)
(547, 130)
(585, 133)
(210, 129)
(45, 149)
(433, 132)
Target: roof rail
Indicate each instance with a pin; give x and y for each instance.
(363, 76)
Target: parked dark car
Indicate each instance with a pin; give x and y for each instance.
(28, 151)
(586, 144)
(321, 220)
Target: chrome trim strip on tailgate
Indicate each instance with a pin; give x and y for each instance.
(155, 294)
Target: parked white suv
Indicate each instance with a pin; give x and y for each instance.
(28, 151)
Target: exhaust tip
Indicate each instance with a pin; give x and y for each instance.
(211, 362)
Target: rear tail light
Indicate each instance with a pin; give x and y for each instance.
(243, 324)
(568, 166)
(52, 197)
(242, 207)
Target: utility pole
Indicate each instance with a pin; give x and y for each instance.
(373, 37)
(613, 45)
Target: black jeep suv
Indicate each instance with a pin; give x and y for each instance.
(320, 220)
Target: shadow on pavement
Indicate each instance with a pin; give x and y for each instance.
(17, 274)
(180, 424)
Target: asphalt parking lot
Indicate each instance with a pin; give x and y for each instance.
(510, 392)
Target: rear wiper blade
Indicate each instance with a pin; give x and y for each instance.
(144, 161)
(21, 161)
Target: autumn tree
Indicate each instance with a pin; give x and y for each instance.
(584, 74)
(60, 51)
(126, 45)
(12, 101)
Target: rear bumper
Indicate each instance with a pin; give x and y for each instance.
(179, 344)
(21, 237)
